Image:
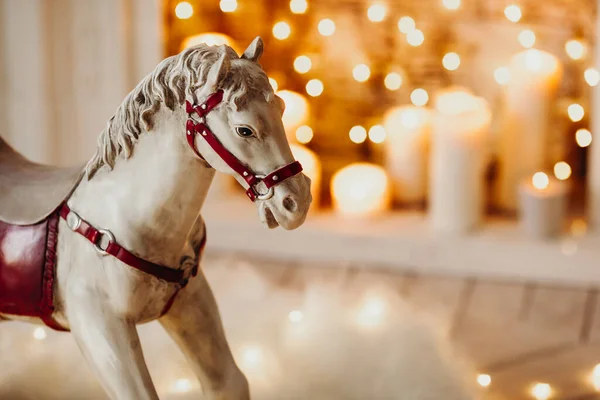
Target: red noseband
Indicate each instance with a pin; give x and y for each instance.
(194, 128)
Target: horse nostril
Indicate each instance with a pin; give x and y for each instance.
(289, 204)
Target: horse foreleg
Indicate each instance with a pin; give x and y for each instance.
(111, 346)
(195, 325)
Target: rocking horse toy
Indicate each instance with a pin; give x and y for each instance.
(97, 250)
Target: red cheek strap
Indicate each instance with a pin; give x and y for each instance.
(253, 180)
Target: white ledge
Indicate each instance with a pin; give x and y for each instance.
(404, 241)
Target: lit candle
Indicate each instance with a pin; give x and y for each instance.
(406, 150)
(360, 189)
(542, 205)
(296, 112)
(311, 166)
(529, 100)
(458, 158)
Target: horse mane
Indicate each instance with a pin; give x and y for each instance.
(172, 81)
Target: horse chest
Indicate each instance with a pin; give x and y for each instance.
(130, 293)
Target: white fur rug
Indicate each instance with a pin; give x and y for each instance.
(328, 341)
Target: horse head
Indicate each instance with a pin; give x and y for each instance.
(248, 125)
(224, 107)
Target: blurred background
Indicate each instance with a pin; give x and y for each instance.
(450, 252)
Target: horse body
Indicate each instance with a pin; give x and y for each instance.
(150, 201)
(150, 204)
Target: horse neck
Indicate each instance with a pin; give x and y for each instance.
(152, 200)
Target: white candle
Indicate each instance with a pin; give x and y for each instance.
(542, 206)
(406, 151)
(311, 166)
(529, 99)
(360, 189)
(458, 158)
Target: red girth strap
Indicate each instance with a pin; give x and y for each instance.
(114, 249)
(252, 179)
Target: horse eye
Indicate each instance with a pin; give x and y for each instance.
(244, 131)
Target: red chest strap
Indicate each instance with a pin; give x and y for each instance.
(116, 250)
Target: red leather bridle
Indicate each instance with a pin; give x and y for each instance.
(200, 128)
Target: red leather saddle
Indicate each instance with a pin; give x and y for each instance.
(32, 198)
(27, 261)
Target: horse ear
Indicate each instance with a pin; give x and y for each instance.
(255, 50)
(219, 70)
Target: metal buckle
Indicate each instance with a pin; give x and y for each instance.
(111, 239)
(73, 220)
(263, 196)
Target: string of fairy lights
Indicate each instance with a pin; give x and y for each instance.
(370, 314)
(577, 49)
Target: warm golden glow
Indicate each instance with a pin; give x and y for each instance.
(419, 97)
(457, 105)
(451, 61)
(541, 391)
(304, 134)
(281, 30)
(393, 81)
(595, 378)
(409, 119)
(184, 10)
(210, 38)
(182, 385)
(576, 112)
(326, 27)
(302, 64)
(540, 180)
(451, 4)
(252, 357)
(583, 137)
(415, 37)
(296, 316)
(579, 229)
(361, 72)
(228, 6)
(372, 312)
(527, 38)
(39, 333)
(562, 170)
(592, 76)
(513, 13)
(360, 189)
(534, 61)
(376, 13)
(377, 134)
(314, 87)
(296, 110)
(575, 49)
(502, 75)
(298, 6)
(358, 134)
(406, 24)
(274, 84)
(484, 380)
(398, 121)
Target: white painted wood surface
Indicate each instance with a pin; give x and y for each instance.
(405, 241)
(66, 66)
(594, 155)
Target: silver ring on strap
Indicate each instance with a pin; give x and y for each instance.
(111, 238)
(263, 196)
